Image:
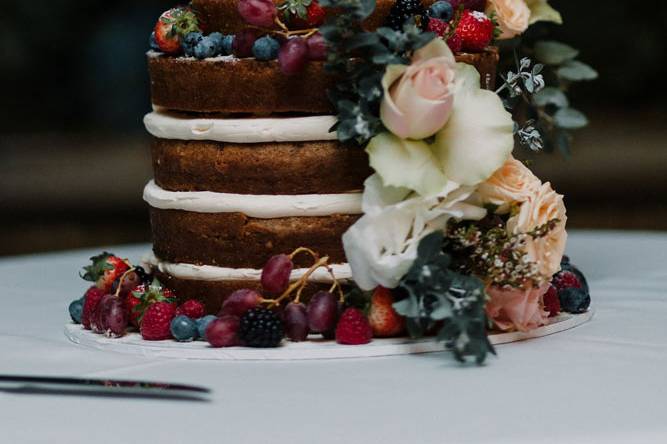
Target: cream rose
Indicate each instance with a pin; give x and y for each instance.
(418, 99)
(513, 16)
(542, 207)
(512, 183)
(517, 308)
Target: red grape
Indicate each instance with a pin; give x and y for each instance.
(322, 312)
(239, 302)
(222, 332)
(293, 56)
(258, 12)
(317, 47)
(276, 274)
(296, 322)
(243, 41)
(112, 316)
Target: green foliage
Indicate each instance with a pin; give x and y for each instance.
(437, 296)
(295, 8)
(359, 59)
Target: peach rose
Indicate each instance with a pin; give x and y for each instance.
(517, 308)
(418, 99)
(512, 183)
(543, 207)
(513, 16)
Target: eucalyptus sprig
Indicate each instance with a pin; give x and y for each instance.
(358, 58)
(437, 296)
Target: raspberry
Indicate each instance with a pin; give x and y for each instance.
(565, 279)
(316, 14)
(262, 328)
(552, 302)
(438, 26)
(156, 323)
(92, 299)
(455, 43)
(191, 308)
(353, 328)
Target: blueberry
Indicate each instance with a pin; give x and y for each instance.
(152, 42)
(227, 43)
(75, 310)
(205, 48)
(574, 300)
(183, 329)
(265, 48)
(217, 39)
(441, 10)
(202, 323)
(190, 41)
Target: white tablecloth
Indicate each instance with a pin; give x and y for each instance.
(603, 382)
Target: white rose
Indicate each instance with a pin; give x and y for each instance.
(513, 16)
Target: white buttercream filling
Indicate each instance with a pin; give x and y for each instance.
(258, 206)
(211, 273)
(167, 125)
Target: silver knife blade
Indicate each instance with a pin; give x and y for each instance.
(102, 387)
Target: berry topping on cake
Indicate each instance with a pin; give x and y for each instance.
(293, 56)
(316, 14)
(353, 328)
(439, 27)
(322, 312)
(172, 26)
(202, 324)
(265, 48)
(156, 321)
(104, 270)
(243, 43)
(76, 310)
(441, 10)
(317, 47)
(382, 317)
(261, 327)
(276, 274)
(258, 12)
(552, 301)
(566, 279)
(183, 328)
(475, 30)
(112, 316)
(223, 332)
(402, 11)
(239, 302)
(91, 300)
(191, 308)
(144, 295)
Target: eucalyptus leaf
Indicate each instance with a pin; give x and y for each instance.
(576, 71)
(570, 118)
(554, 53)
(551, 96)
(408, 307)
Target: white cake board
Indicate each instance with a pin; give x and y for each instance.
(291, 351)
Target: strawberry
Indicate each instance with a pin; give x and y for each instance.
(552, 301)
(382, 317)
(353, 328)
(104, 270)
(172, 26)
(316, 14)
(191, 308)
(91, 300)
(155, 324)
(475, 30)
(142, 296)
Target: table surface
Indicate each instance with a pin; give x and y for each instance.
(601, 382)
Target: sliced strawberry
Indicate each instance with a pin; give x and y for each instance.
(172, 26)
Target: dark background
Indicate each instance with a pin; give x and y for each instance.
(74, 154)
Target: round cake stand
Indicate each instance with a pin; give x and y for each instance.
(293, 351)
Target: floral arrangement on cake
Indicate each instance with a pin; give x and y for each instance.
(458, 238)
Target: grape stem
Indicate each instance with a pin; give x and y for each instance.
(286, 32)
(300, 284)
(315, 256)
(122, 278)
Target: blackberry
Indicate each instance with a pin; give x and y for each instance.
(402, 11)
(260, 327)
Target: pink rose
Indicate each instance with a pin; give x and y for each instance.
(542, 207)
(418, 99)
(513, 16)
(512, 183)
(517, 308)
